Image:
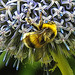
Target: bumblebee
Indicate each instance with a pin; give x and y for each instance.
(46, 32)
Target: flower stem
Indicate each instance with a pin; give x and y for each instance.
(63, 64)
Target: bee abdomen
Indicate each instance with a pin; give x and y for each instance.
(28, 42)
(37, 40)
(42, 41)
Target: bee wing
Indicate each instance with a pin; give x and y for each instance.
(43, 55)
(40, 31)
(40, 36)
(36, 54)
(39, 52)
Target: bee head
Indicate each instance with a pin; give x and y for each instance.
(51, 31)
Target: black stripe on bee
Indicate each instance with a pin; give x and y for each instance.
(42, 41)
(30, 44)
(52, 35)
(41, 25)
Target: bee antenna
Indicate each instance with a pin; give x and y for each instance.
(40, 15)
(28, 14)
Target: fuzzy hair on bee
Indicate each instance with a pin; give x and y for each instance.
(46, 32)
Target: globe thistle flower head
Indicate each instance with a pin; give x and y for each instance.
(20, 18)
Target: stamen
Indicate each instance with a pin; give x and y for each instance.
(10, 26)
(61, 30)
(1, 52)
(7, 61)
(66, 45)
(74, 32)
(73, 0)
(18, 65)
(7, 28)
(61, 14)
(14, 21)
(14, 63)
(40, 10)
(47, 71)
(43, 1)
(18, 7)
(46, 21)
(5, 56)
(21, 37)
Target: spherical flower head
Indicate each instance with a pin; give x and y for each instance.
(21, 30)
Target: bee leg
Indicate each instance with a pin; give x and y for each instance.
(30, 22)
(41, 21)
(37, 26)
(27, 18)
(53, 67)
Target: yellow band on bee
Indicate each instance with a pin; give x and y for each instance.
(52, 27)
